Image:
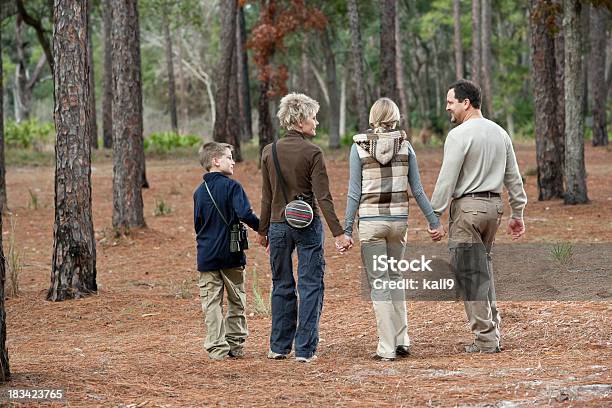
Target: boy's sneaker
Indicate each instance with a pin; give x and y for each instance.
(218, 358)
(276, 356)
(306, 359)
(473, 348)
(237, 353)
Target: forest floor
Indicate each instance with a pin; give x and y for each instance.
(139, 340)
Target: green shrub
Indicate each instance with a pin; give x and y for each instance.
(161, 208)
(28, 134)
(167, 141)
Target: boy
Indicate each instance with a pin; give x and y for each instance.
(219, 203)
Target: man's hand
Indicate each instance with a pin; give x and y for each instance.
(437, 234)
(344, 242)
(516, 228)
(263, 240)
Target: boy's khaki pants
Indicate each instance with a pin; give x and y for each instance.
(229, 333)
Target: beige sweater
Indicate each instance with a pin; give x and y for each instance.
(479, 157)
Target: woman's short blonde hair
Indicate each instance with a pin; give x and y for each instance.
(295, 108)
(384, 114)
(212, 150)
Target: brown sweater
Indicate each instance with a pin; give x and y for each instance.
(303, 168)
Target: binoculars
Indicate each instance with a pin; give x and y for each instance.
(238, 238)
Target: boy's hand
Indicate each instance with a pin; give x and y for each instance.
(263, 240)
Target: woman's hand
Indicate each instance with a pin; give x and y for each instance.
(437, 234)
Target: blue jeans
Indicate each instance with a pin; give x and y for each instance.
(311, 267)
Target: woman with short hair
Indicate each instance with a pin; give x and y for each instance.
(382, 165)
(303, 171)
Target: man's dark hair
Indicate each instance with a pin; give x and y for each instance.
(465, 89)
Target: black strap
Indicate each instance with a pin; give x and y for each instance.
(281, 180)
(213, 200)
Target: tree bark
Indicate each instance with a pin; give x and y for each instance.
(170, 67)
(388, 75)
(342, 129)
(486, 58)
(597, 75)
(575, 173)
(243, 78)
(357, 58)
(128, 155)
(5, 372)
(107, 92)
(266, 129)
(183, 91)
(227, 127)
(92, 81)
(476, 61)
(3, 201)
(457, 39)
(399, 61)
(73, 269)
(549, 157)
(23, 94)
(331, 80)
(560, 75)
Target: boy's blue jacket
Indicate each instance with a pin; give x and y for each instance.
(212, 235)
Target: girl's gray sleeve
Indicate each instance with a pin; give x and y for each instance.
(354, 191)
(414, 179)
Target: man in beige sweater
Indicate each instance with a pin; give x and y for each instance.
(478, 161)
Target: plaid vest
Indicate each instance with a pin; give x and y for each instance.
(384, 173)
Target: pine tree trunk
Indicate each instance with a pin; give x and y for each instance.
(549, 158)
(184, 100)
(3, 201)
(486, 58)
(107, 91)
(266, 129)
(399, 61)
(575, 173)
(597, 75)
(23, 96)
(128, 155)
(560, 76)
(227, 117)
(234, 123)
(476, 61)
(357, 59)
(92, 80)
(170, 67)
(331, 80)
(388, 75)
(73, 269)
(5, 372)
(457, 39)
(342, 129)
(243, 77)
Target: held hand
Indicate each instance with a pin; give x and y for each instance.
(437, 234)
(343, 243)
(516, 228)
(263, 240)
